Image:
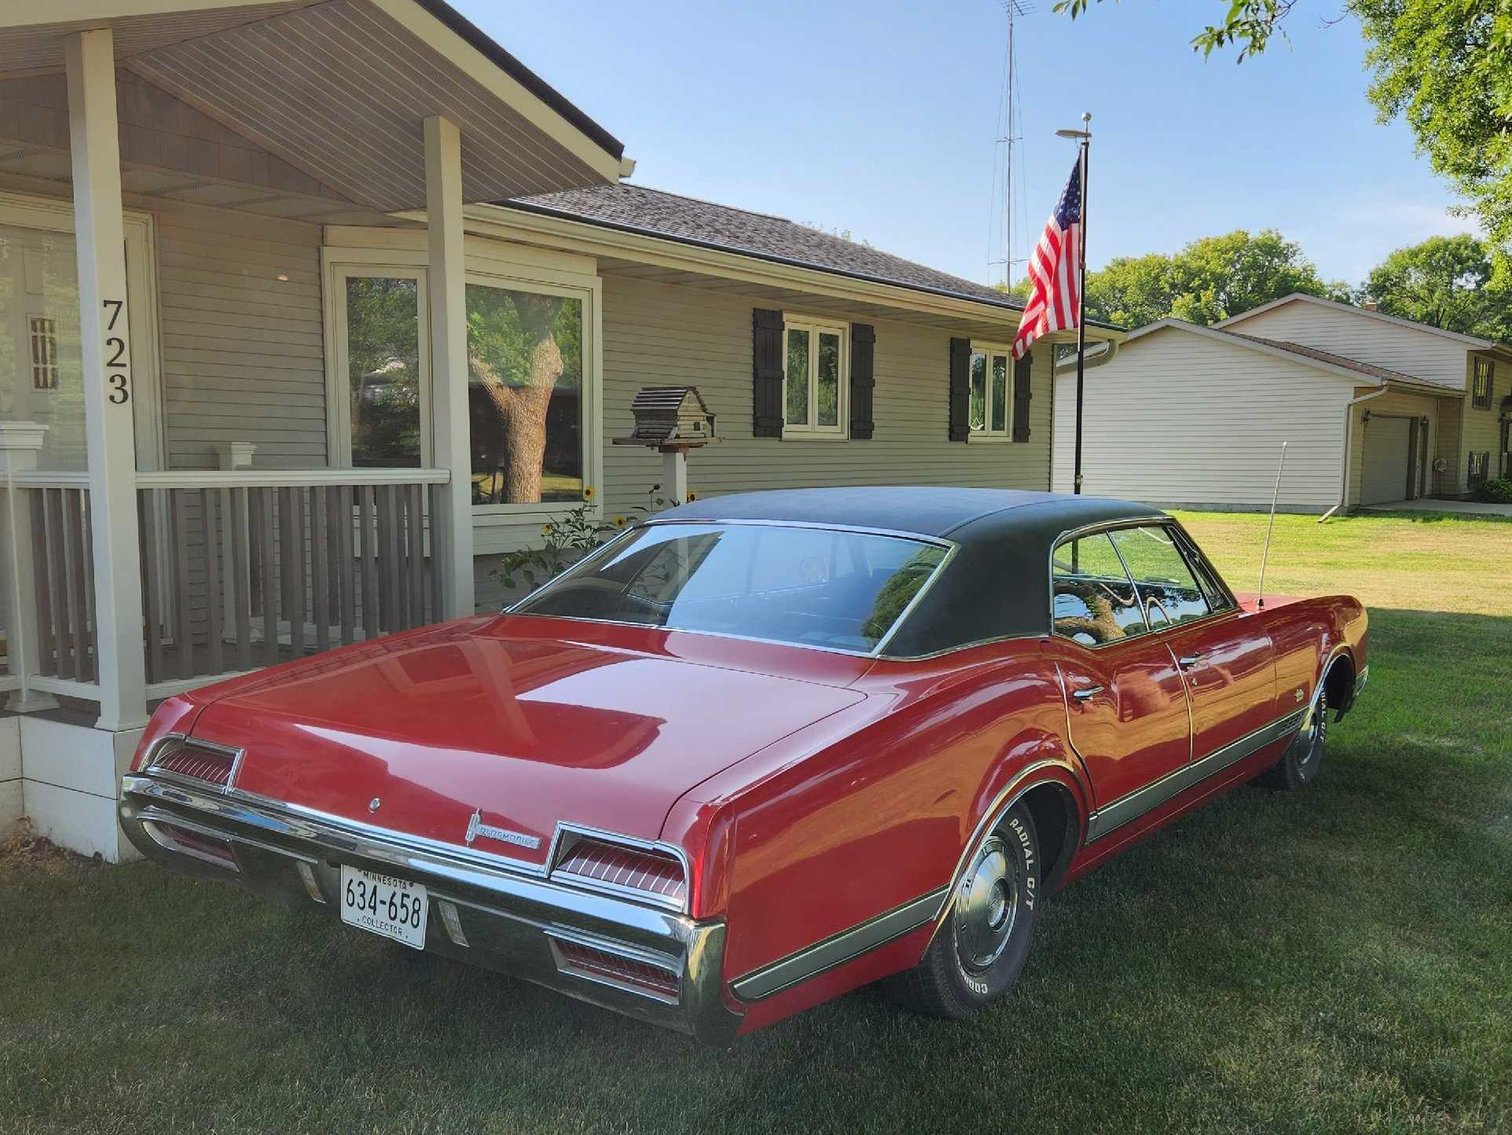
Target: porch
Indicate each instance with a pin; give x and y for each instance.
(182, 496)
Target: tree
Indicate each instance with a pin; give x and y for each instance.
(1249, 24)
(1443, 65)
(1446, 281)
(1207, 281)
(1446, 67)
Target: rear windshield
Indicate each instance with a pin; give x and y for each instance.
(809, 586)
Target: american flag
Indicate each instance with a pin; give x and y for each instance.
(1055, 271)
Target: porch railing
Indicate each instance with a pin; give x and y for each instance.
(240, 569)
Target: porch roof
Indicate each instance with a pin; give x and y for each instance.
(340, 89)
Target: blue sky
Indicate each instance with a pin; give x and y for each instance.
(881, 118)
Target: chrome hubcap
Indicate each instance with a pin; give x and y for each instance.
(1311, 732)
(985, 906)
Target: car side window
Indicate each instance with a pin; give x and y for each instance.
(1094, 598)
(1168, 591)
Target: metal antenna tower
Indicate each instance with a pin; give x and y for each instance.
(1014, 9)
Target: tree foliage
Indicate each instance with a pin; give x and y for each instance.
(1446, 281)
(1207, 281)
(1446, 67)
(1443, 65)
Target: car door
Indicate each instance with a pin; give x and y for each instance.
(1224, 654)
(1126, 698)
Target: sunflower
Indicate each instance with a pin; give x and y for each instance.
(692, 495)
(619, 522)
(588, 492)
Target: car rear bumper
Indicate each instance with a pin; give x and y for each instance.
(486, 913)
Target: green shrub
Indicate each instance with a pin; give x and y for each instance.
(1498, 490)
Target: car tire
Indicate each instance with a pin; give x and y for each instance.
(1300, 764)
(980, 947)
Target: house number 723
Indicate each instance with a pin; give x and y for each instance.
(117, 362)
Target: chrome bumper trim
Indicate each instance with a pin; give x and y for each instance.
(1362, 679)
(1128, 808)
(507, 916)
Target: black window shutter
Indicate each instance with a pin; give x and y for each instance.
(862, 382)
(1022, 393)
(960, 389)
(766, 377)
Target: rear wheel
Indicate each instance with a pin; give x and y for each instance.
(1299, 765)
(980, 948)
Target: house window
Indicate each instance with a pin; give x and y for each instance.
(43, 334)
(384, 368)
(525, 393)
(991, 394)
(1480, 469)
(814, 379)
(1483, 377)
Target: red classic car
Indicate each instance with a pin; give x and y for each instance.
(761, 750)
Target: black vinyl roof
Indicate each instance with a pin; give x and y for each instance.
(960, 514)
(997, 585)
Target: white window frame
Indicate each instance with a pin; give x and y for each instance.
(495, 263)
(987, 433)
(338, 378)
(814, 326)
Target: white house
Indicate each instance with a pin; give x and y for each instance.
(1375, 409)
(310, 307)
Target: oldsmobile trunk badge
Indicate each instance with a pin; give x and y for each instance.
(476, 827)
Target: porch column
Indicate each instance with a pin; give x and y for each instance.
(447, 282)
(100, 236)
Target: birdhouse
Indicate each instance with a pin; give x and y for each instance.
(670, 417)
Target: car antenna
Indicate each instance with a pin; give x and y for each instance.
(1269, 528)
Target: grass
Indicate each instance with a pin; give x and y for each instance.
(1339, 960)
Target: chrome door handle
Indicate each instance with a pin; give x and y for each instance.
(1187, 661)
(1086, 693)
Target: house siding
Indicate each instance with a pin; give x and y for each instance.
(1355, 335)
(242, 348)
(657, 334)
(1179, 418)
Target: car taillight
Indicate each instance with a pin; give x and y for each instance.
(655, 874)
(616, 969)
(212, 764)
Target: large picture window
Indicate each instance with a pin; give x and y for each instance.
(525, 394)
(814, 379)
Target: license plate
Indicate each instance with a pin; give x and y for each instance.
(394, 908)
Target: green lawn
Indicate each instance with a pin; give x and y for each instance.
(1339, 960)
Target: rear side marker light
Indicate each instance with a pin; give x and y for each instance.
(632, 974)
(656, 874)
(211, 764)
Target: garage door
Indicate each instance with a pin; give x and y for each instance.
(1388, 456)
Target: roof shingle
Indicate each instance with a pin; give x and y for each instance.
(635, 208)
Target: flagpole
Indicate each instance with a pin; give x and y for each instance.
(1081, 302)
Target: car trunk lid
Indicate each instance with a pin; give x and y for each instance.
(470, 728)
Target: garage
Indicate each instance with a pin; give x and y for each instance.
(1388, 460)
